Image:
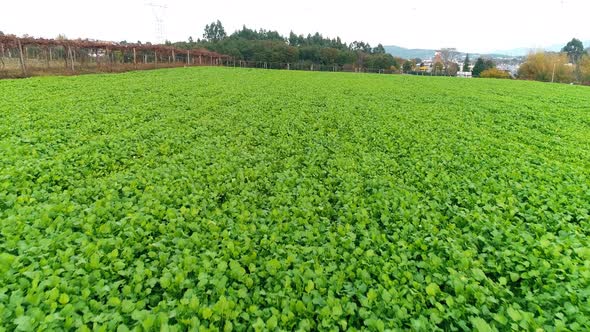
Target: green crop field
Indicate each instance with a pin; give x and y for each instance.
(232, 199)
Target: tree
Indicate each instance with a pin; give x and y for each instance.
(293, 39)
(438, 68)
(452, 69)
(466, 64)
(214, 32)
(481, 65)
(1, 33)
(379, 49)
(408, 66)
(574, 50)
(585, 69)
(360, 46)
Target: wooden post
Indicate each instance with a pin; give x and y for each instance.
(47, 51)
(1, 56)
(110, 62)
(134, 58)
(71, 55)
(97, 58)
(200, 60)
(73, 58)
(22, 58)
(156, 59)
(65, 57)
(173, 57)
(188, 58)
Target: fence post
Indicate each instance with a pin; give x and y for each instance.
(47, 52)
(110, 62)
(155, 59)
(22, 58)
(2, 56)
(188, 58)
(70, 55)
(134, 58)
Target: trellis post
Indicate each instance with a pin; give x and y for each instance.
(47, 56)
(71, 56)
(22, 58)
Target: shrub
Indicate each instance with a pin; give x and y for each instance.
(494, 73)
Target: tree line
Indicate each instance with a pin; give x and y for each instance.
(270, 46)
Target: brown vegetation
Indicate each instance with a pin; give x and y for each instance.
(27, 56)
(494, 73)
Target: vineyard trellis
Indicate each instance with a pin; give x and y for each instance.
(27, 56)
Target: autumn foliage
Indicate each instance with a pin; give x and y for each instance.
(494, 73)
(547, 67)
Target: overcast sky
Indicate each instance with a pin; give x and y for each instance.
(469, 25)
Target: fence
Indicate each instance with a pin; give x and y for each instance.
(22, 57)
(306, 65)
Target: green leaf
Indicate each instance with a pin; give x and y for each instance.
(514, 314)
(310, 286)
(432, 289)
(207, 313)
(64, 298)
(24, 323)
(480, 325)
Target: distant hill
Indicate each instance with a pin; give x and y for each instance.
(407, 53)
(522, 51)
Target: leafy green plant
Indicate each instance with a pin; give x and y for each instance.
(231, 199)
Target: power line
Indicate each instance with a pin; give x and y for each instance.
(158, 10)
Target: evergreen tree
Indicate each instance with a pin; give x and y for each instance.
(466, 64)
(379, 49)
(481, 65)
(478, 67)
(214, 32)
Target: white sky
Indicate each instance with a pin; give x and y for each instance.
(474, 26)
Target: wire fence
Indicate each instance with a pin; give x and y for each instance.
(306, 66)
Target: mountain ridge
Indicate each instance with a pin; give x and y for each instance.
(425, 53)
